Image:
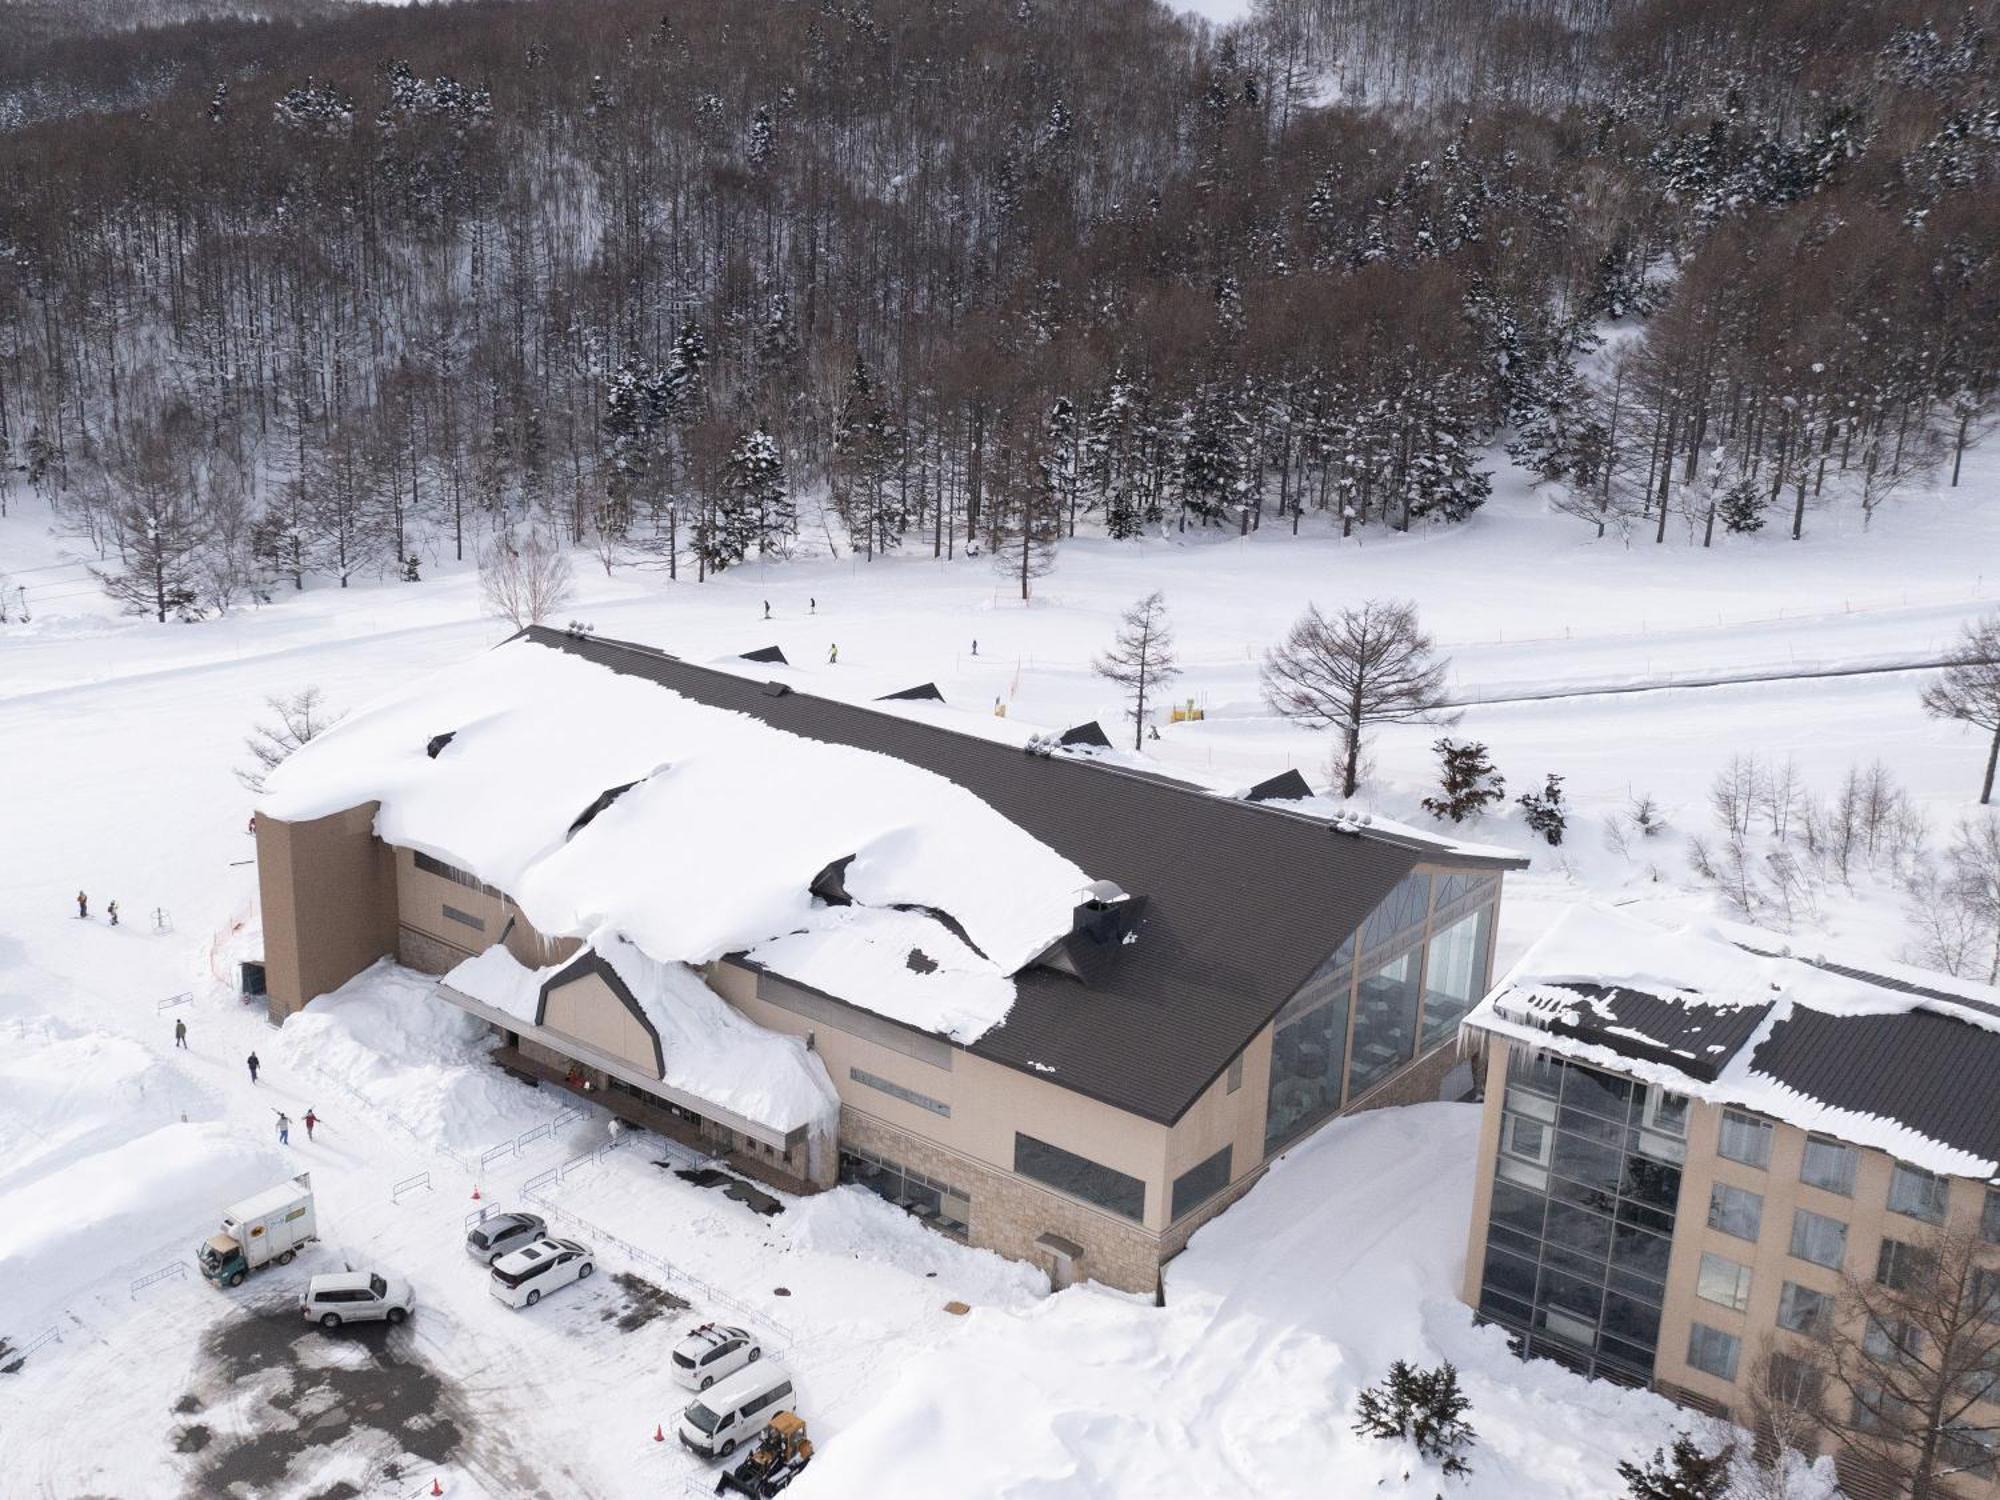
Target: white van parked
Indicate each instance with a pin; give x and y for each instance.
(524, 1277)
(735, 1410)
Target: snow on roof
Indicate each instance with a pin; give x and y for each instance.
(711, 1050)
(908, 965)
(712, 849)
(1726, 1014)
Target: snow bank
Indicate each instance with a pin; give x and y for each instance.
(711, 1050)
(384, 1037)
(711, 849)
(1278, 1313)
(66, 1094)
(851, 1221)
(155, 1196)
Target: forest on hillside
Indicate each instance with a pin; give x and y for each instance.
(310, 296)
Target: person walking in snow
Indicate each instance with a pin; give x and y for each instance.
(83, 906)
(833, 655)
(254, 1066)
(311, 1120)
(111, 911)
(975, 645)
(812, 605)
(767, 609)
(180, 1034)
(284, 1128)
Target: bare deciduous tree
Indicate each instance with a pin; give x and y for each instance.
(1363, 666)
(524, 581)
(301, 717)
(1968, 689)
(1908, 1368)
(1141, 658)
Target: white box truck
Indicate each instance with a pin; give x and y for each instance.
(269, 1227)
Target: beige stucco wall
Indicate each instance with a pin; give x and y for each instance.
(1482, 1180)
(587, 1010)
(326, 887)
(432, 941)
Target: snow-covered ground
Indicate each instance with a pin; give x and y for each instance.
(117, 1151)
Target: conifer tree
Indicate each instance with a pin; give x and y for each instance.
(1686, 1474)
(1467, 781)
(1424, 1407)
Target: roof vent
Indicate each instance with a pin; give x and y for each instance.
(776, 689)
(769, 654)
(830, 885)
(1286, 786)
(437, 742)
(1105, 919)
(923, 690)
(1089, 733)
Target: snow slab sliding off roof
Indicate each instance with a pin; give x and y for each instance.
(712, 851)
(1910, 1074)
(711, 1050)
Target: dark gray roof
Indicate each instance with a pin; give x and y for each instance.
(1697, 1039)
(1931, 1071)
(1243, 900)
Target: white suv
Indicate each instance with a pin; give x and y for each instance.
(521, 1278)
(711, 1353)
(356, 1297)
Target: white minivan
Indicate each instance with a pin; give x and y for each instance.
(522, 1277)
(734, 1411)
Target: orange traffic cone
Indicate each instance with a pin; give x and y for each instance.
(475, 1192)
(436, 1488)
(659, 1433)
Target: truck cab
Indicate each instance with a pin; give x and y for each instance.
(260, 1231)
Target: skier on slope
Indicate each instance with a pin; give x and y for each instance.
(111, 911)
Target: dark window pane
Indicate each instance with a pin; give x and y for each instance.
(1574, 1262)
(1735, 1211)
(1537, 1072)
(1804, 1310)
(1920, 1194)
(1518, 1208)
(1509, 1274)
(1652, 1182)
(1200, 1183)
(1632, 1321)
(1639, 1288)
(1647, 1218)
(1308, 1053)
(1588, 1162)
(1636, 1250)
(1091, 1181)
(1504, 1309)
(1817, 1238)
(1713, 1350)
(1829, 1165)
(1572, 1294)
(1513, 1239)
(1584, 1233)
(1600, 1093)
(1595, 1127)
(1628, 1356)
(1989, 1218)
(1597, 1200)
(1402, 909)
(1385, 1023)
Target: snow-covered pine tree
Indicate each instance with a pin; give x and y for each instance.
(757, 476)
(1466, 780)
(1424, 1407)
(1544, 811)
(1685, 1474)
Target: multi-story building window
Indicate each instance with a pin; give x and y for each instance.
(1818, 1239)
(1200, 1183)
(1792, 1382)
(1735, 1210)
(1582, 1220)
(1829, 1165)
(1920, 1194)
(1745, 1138)
(1454, 974)
(1803, 1310)
(1901, 1265)
(1989, 1219)
(1385, 1022)
(1714, 1351)
(1079, 1176)
(1724, 1282)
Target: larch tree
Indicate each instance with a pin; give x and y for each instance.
(1361, 667)
(1968, 690)
(301, 717)
(1908, 1369)
(1141, 659)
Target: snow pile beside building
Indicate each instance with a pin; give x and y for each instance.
(715, 827)
(386, 1040)
(127, 1209)
(1277, 1315)
(707, 1048)
(853, 1222)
